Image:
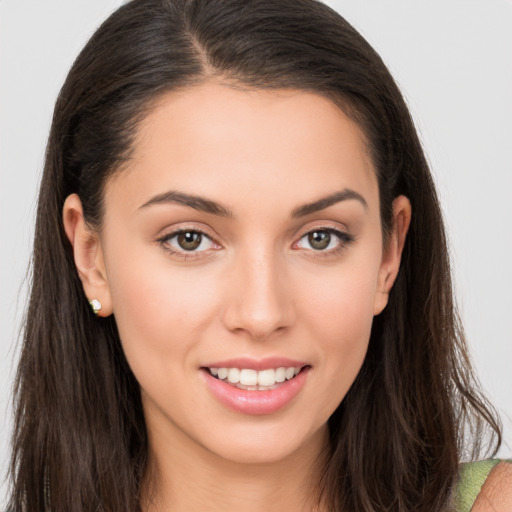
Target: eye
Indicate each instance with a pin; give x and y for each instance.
(185, 241)
(325, 240)
(189, 240)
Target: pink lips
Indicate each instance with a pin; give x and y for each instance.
(256, 402)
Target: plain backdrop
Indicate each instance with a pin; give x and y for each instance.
(453, 61)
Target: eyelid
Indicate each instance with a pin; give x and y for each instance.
(344, 237)
(177, 228)
(335, 229)
(183, 254)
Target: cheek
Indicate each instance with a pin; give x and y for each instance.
(339, 318)
(343, 329)
(160, 312)
(340, 303)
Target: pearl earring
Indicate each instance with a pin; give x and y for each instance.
(95, 305)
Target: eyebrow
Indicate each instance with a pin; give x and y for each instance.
(206, 205)
(196, 202)
(330, 200)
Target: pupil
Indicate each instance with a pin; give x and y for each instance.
(319, 239)
(189, 240)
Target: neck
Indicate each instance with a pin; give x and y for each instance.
(186, 478)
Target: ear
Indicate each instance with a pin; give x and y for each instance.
(88, 254)
(392, 253)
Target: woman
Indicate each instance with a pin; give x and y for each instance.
(241, 292)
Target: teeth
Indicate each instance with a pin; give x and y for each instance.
(266, 378)
(253, 378)
(289, 373)
(233, 375)
(281, 374)
(248, 377)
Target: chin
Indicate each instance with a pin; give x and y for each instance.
(265, 443)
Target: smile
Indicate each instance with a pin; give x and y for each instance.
(254, 380)
(264, 388)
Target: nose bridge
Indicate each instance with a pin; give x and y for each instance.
(259, 301)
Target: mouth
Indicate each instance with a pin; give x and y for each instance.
(256, 387)
(255, 380)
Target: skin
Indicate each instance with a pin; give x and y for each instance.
(496, 493)
(257, 289)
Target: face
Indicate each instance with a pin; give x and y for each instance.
(242, 256)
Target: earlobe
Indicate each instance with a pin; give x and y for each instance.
(88, 254)
(392, 253)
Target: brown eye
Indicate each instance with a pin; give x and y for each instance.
(189, 240)
(325, 241)
(188, 244)
(319, 240)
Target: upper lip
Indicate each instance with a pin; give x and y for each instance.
(256, 364)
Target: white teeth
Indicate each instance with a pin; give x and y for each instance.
(233, 375)
(281, 374)
(267, 377)
(289, 373)
(248, 377)
(259, 379)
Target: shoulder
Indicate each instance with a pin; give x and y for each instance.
(496, 493)
(485, 486)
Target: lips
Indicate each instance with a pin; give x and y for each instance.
(255, 387)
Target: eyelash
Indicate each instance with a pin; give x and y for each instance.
(344, 238)
(183, 255)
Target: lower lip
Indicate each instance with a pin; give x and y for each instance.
(256, 402)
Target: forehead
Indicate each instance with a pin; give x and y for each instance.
(212, 138)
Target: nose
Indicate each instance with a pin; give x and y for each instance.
(258, 296)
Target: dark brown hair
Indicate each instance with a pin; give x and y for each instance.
(80, 442)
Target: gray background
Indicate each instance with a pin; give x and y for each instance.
(453, 61)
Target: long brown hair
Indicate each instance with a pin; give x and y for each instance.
(80, 442)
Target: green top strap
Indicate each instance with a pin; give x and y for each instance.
(471, 479)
